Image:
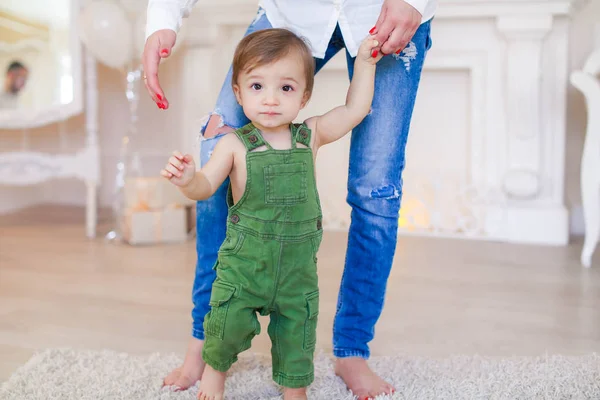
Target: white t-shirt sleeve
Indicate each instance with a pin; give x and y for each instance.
(420, 5)
(167, 14)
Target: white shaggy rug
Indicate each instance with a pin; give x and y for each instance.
(68, 374)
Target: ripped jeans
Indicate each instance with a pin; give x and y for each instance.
(374, 191)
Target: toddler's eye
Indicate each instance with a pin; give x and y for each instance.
(287, 88)
(256, 86)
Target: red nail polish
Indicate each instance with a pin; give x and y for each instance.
(374, 53)
(164, 51)
(372, 30)
(398, 52)
(158, 105)
(158, 96)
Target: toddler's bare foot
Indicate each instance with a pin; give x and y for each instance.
(212, 384)
(294, 394)
(190, 372)
(360, 379)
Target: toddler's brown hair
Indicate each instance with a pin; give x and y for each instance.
(270, 45)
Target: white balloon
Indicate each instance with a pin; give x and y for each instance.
(139, 36)
(106, 32)
(134, 7)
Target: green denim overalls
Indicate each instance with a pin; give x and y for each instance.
(267, 263)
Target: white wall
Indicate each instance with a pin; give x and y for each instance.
(160, 131)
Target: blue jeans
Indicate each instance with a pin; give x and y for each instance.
(374, 192)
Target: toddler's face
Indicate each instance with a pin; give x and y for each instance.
(272, 95)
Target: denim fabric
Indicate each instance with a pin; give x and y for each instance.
(374, 193)
(377, 160)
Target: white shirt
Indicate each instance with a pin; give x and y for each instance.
(314, 20)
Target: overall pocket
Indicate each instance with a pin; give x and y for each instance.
(232, 243)
(220, 299)
(310, 326)
(285, 183)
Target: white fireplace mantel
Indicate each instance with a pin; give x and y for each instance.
(506, 58)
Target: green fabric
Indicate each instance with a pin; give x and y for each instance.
(267, 263)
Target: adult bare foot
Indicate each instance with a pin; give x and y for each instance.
(294, 394)
(190, 372)
(360, 379)
(212, 385)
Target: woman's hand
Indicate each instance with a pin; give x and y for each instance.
(158, 46)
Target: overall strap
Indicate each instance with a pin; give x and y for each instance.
(300, 134)
(250, 136)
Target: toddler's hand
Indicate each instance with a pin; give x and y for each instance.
(369, 51)
(180, 169)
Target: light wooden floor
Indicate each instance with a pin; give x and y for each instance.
(444, 296)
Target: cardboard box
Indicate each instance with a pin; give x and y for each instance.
(152, 193)
(151, 227)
